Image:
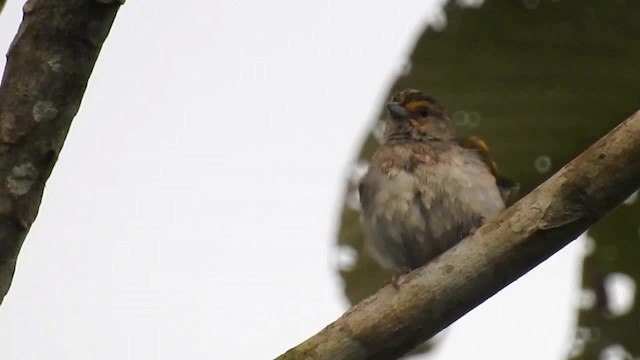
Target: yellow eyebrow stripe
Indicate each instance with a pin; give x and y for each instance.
(417, 105)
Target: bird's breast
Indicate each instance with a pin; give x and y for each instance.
(441, 188)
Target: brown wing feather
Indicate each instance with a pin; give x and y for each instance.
(507, 187)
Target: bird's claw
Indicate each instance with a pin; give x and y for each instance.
(395, 279)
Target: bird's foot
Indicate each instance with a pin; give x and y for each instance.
(473, 230)
(395, 279)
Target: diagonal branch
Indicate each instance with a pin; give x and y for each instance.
(48, 66)
(391, 322)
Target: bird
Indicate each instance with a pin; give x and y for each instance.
(426, 189)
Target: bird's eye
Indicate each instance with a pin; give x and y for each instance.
(424, 113)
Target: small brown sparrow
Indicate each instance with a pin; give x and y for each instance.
(426, 189)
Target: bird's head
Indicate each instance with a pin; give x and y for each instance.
(416, 116)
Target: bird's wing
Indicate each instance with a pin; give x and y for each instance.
(507, 187)
(365, 190)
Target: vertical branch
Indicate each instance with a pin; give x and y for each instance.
(48, 65)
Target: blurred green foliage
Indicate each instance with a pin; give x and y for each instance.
(540, 80)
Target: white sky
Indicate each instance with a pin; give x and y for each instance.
(192, 212)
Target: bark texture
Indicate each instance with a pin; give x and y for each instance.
(48, 65)
(391, 322)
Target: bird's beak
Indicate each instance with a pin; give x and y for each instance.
(397, 112)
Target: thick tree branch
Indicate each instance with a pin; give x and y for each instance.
(48, 66)
(392, 322)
